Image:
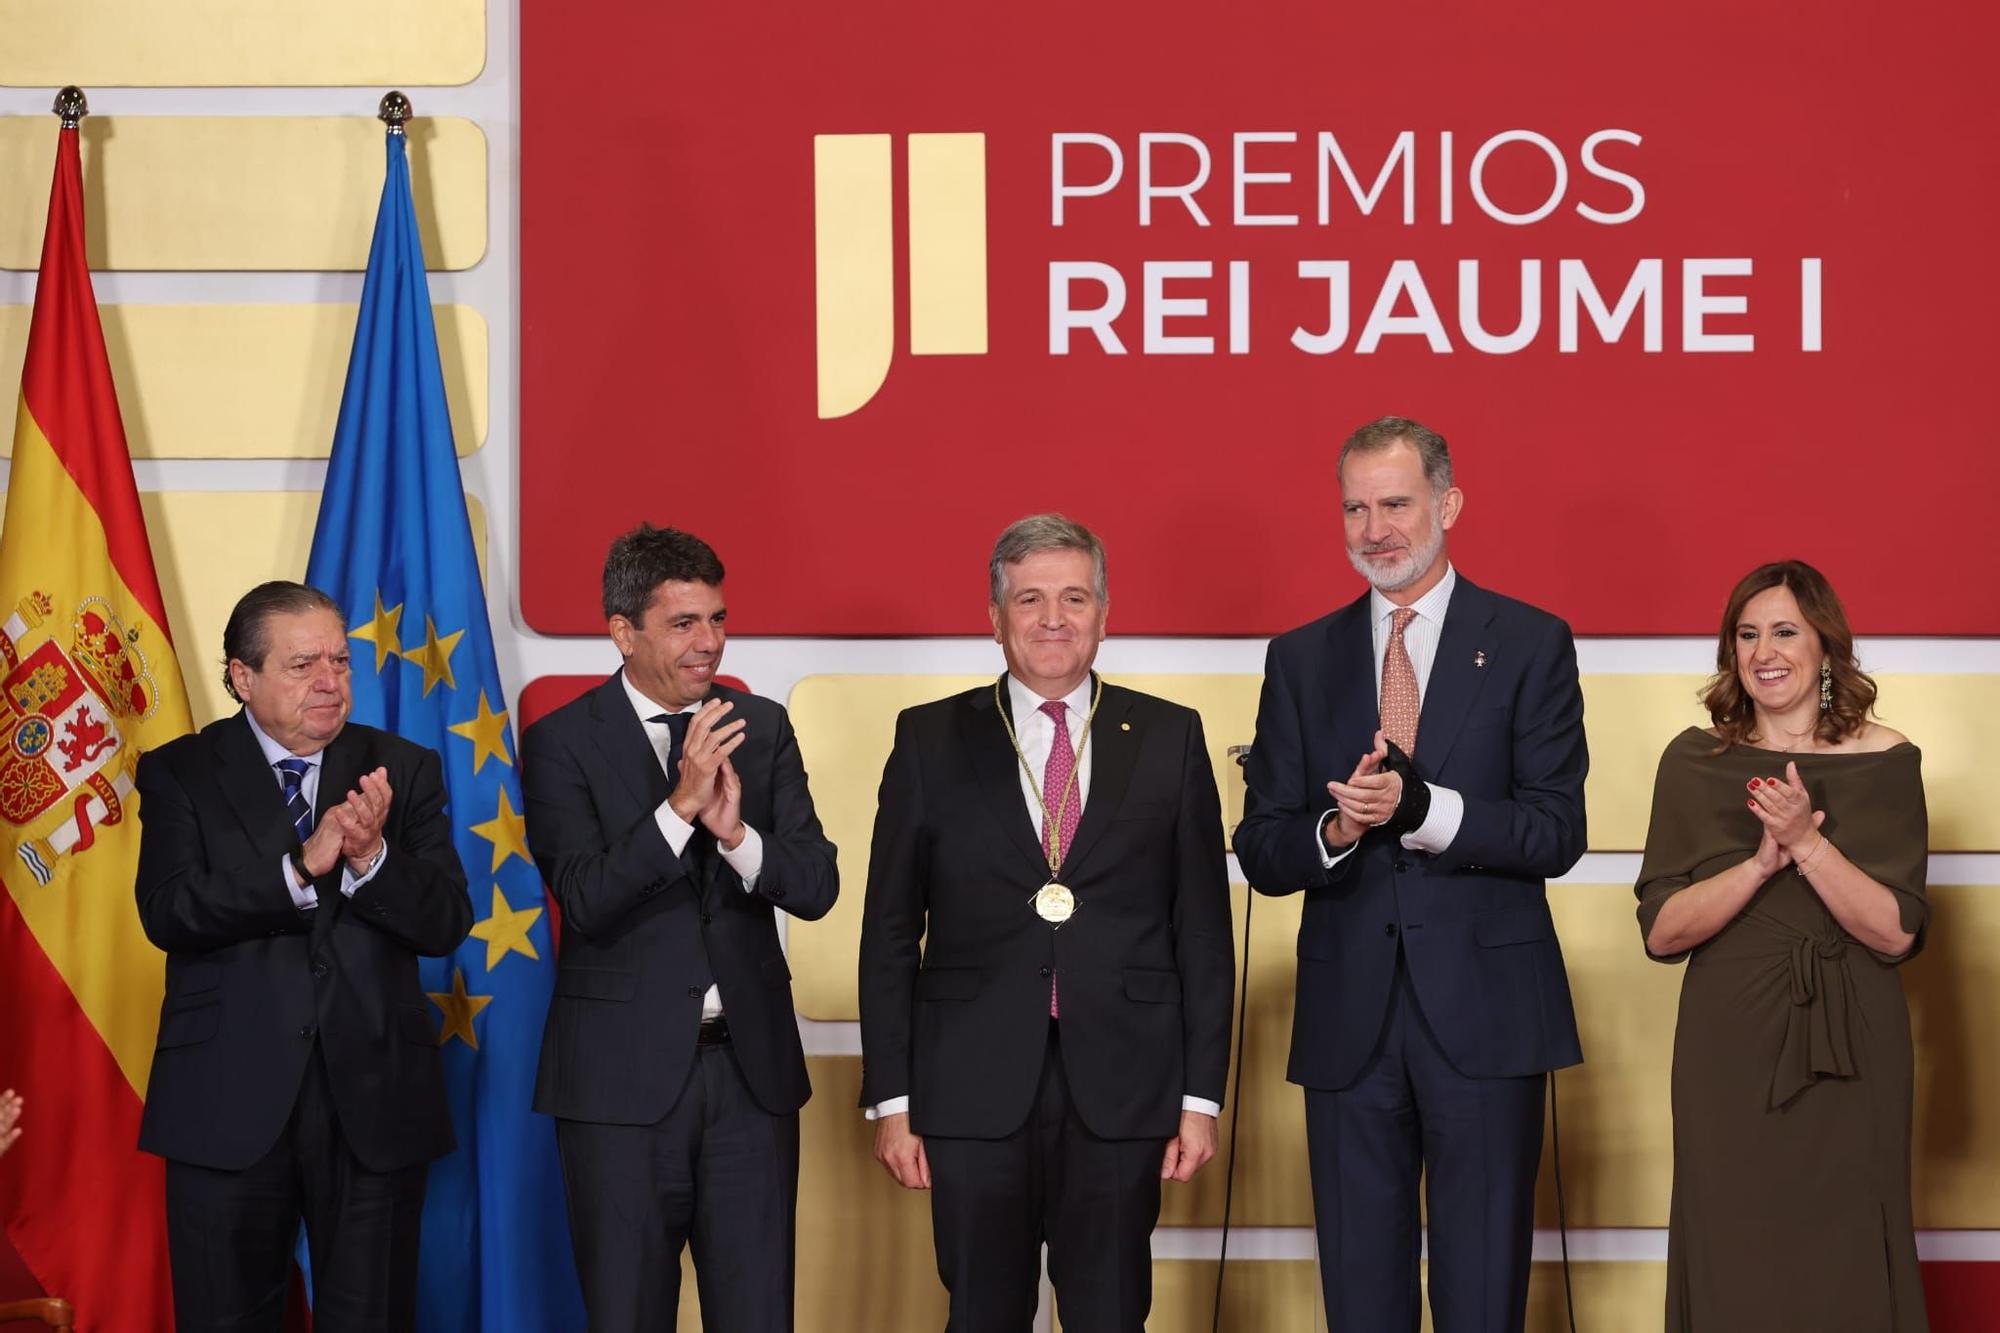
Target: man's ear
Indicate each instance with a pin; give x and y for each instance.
(622, 633)
(993, 614)
(1450, 506)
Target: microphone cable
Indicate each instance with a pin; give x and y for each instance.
(1562, 1213)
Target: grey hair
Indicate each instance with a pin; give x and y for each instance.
(1043, 532)
(1382, 433)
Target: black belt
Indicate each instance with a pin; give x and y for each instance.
(713, 1031)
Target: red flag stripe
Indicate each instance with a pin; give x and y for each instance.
(84, 1203)
(66, 384)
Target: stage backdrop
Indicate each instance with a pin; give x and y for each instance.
(1690, 286)
(797, 281)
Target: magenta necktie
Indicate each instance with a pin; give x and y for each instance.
(1055, 782)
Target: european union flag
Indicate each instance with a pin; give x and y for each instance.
(394, 547)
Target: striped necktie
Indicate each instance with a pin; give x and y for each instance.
(292, 772)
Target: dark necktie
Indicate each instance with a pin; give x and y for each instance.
(293, 773)
(677, 731)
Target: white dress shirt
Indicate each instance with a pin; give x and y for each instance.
(1036, 731)
(1420, 640)
(304, 896)
(746, 858)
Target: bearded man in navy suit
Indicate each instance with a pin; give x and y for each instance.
(1418, 774)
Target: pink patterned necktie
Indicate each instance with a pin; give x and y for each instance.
(1399, 686)
(1056, 781)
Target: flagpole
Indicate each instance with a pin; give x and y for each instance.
(394, 111)
(72, 106)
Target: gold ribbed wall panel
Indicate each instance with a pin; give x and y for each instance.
(243, 192)
(1282, 1296)
(145, 43)
(250, 381)
(846, 725)
(211, 547)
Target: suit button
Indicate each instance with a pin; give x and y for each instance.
(1401, 865)
(694, 992)
(1045, 971)
(1388, 928)
(306, 1031)
(321, 969)
(706, 919)
(775, 895)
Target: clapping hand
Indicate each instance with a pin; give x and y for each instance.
(723, 815)
(364, 813)
(1370, 797)
(1784, 808)
(710, 741)
(10, 1118)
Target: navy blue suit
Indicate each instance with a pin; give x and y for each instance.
(1431, 987)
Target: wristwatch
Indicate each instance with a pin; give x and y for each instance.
(297, 856)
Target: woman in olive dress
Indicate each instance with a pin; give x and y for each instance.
(1785, 861)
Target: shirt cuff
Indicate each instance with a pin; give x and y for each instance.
(1327, 856)
(747, 859)
(1440, 826)
(304, 896)
(894, 1106)
(1203, 1105)
(673, 828)
(349, 881)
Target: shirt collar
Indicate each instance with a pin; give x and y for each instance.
(646, 708)
(1431, 606)
(1027, 703)
(274, 752)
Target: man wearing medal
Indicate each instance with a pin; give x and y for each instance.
(1047, 962)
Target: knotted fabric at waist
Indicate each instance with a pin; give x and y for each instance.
(1818, 1041)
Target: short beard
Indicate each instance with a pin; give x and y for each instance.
(1420, 559)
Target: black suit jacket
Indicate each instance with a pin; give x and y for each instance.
(1146, 965)
(645, 932)
(252, 981)
(1502, 724)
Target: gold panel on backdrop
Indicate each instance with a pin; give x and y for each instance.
(247, 43)
(243, 192)
(250, 381)
(846, 725)
(211, 547)
(1953, 718)
(1282, 1296)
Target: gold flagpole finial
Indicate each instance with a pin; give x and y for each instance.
(394, 111)
(72, 106)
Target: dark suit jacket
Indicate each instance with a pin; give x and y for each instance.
(645, 932)
(1147, 967)
(252, 980)
(1472, 920)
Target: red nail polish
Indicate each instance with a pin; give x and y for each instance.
(1751, 804)
(1753, 784)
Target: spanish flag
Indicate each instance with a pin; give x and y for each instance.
(90, 680)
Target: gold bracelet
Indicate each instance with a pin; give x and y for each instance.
(1805, 864)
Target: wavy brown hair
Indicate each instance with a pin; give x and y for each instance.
(1853, 691)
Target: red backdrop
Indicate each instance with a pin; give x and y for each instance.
(668, 305)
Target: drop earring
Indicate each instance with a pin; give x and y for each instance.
(1825, 686)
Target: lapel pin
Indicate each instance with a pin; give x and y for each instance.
(1124, 726)
(1479, 658)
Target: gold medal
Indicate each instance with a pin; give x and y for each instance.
(1054, 903)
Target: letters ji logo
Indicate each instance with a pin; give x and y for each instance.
(855, 257)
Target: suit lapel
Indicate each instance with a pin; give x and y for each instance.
(1114, 750)
(622, 740)
(997, 773)
(1458, 673)
(1350, 684)
(252, 789)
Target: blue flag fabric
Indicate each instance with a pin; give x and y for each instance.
(394, 546)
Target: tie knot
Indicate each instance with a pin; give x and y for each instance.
(1057, 710)
(1404, 615)
(294, 768)
(677, 723)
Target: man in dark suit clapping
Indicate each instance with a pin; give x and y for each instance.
(294, 866)
(671, 818)
(1418, 773)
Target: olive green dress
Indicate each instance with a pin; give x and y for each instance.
(1792, 1066)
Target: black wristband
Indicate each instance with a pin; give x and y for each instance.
(297, 856)
(1415, 805)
